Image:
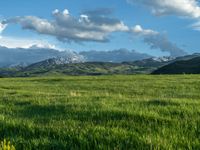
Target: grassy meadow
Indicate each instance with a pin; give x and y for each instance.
(101, 112)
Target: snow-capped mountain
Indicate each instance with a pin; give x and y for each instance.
(163, 59)
(66, 58)
(11, 57)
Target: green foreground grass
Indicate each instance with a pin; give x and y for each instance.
(105, 112)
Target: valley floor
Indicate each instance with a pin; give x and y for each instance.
(104, 112)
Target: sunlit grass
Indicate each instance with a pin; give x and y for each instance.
(6, 145)
(105, 112)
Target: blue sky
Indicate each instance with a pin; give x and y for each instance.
(175, 26)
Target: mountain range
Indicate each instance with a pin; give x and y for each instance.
(117, 56)
(11, 57)
(38, 61)
(59, 66)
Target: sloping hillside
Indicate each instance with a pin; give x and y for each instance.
(191, 66)
(88, 68)
(73, 66)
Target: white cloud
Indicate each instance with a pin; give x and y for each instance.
(140, 31)
(55, 11)
(157, 40)
(182, 8)
(65, 12)
(13, 42)
(68, 28)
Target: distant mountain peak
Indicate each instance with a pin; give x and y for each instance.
(69, 58)
(163, 58)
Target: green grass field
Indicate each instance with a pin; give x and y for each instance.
(104, 112)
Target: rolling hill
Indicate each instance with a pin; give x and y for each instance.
(72, 65)
(191, 66)
(41, 61)
(62, 66)
(87, 68)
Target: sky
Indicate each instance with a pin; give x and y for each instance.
(155, 27)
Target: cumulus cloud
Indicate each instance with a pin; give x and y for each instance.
(65, 27)
(138, 30)
(158, 40)
(182, 8)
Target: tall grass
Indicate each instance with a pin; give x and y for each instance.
(105, 112)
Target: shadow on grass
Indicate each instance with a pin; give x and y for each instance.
(96, 131)
(89, 114)
(161, 103)
(25, 137)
